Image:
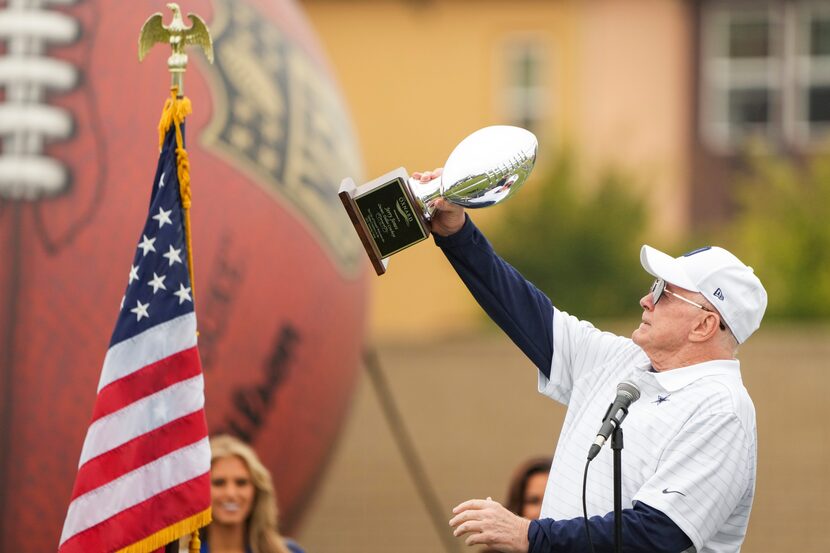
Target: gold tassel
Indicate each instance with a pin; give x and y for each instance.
(195, 543)
(174, 113)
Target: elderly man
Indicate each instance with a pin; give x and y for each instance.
(689, 468)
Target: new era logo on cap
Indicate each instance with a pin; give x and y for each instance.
(703, 249)
(710, 271)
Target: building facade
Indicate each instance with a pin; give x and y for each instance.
(669, 91)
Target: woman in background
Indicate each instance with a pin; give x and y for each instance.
(526, 490)
(527, 487)
(243, 502)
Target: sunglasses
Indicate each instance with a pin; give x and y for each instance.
(659, 288)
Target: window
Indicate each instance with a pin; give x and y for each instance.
(524, 90)
(813, 70)
(765, 72)
(741, 63)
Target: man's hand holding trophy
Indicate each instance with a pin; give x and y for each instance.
(395, 211)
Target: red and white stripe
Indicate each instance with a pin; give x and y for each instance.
(145, 462)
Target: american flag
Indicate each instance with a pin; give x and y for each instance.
(143, 477)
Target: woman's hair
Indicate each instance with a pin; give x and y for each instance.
(518, 484)
(263, 534)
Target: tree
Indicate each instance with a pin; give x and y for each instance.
(579, 248)
(784, 225)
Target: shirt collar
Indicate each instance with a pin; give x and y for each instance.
(675, 379)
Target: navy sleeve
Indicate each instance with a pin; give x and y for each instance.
(644, 530)
(517, 306)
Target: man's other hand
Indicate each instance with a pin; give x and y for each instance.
(488, 523)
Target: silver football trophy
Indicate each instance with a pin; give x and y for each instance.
(393, 212)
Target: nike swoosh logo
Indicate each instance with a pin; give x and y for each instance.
(666, 490)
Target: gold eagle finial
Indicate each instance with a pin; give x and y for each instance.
(177, 36)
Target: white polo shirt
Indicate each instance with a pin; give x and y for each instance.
(689, 441)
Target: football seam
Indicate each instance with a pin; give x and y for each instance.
(27, 121)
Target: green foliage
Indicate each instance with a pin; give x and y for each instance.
(580, 248)
(784, 226)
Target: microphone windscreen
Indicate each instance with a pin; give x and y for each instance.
(629, 388)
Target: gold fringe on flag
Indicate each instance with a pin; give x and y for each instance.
(170, 534)
(174, 112)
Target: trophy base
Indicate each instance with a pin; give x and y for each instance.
(385, 215)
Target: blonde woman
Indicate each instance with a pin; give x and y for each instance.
(243, 501)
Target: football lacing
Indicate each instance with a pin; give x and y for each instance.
(27, 123)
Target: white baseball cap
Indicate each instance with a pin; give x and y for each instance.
(729, 285)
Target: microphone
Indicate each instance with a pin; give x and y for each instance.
(627, 393)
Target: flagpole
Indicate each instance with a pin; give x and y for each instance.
(176, 109)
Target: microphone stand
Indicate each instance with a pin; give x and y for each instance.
(617, 446)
